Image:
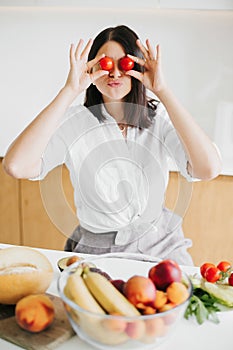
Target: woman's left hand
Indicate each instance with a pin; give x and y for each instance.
(152, 78)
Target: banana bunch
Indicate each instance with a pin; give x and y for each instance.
(93, 292)
(108, 296)
(77, 291)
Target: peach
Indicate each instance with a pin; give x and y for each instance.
(177, 292)
(139, 290)
(34, 313)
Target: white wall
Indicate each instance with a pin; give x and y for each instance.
(196, 47)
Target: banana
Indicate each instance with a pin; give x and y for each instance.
(91, 325)
(77, 291)
(108, 296)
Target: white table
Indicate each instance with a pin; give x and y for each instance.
(188, 334)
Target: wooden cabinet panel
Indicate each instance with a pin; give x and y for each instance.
(47, 210)
(10, 229)
(208, 220)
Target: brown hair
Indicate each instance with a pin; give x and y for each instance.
(139, 110)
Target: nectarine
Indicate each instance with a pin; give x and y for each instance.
(164, 273)
(34, 313)
(140, 290)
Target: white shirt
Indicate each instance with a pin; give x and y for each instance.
(118, 183)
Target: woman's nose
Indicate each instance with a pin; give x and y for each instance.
(115, 72)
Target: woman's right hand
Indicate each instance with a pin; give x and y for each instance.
(81, 75)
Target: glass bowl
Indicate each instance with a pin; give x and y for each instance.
(105, 331)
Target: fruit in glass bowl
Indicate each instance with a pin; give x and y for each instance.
(102, 315)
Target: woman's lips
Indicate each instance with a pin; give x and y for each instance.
(114, 84)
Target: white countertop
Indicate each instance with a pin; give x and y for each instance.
(188, 335)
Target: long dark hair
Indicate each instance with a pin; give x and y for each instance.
(136, 100)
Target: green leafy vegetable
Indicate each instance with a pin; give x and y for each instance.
(202, 306)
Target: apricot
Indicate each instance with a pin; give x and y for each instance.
(167, 307)
(177, 292)
(160, 299)
(34, 313)
(139, 290)
(72, 260)
(148, 310)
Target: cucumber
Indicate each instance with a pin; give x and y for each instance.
(222, 292)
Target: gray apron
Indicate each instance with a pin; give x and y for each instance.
(163, 239)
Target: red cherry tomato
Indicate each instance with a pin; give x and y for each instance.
(224, 266)
(204, 267)
(106, 63)
(212, 274)
(126, 63)
(230, 280)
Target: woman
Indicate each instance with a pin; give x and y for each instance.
(116, 148)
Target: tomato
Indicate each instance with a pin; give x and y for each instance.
(204, 267)
(230, 281)
(212, 274)
(126, 63)
(106, 63)
(224, 266)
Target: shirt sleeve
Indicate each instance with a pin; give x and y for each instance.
(176, 155)
(56, 151)
(54, 155)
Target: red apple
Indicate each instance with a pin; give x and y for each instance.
(164, 273)
(140, 290)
